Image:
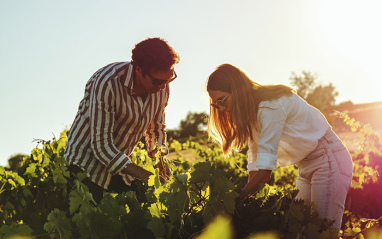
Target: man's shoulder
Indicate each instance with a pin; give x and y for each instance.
(110, 70)
(114, 65)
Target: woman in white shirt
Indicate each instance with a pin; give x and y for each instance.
(280, 128)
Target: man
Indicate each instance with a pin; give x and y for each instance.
(123, 101)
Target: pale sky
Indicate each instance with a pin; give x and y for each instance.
(49, 49)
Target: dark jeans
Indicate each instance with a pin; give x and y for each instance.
(116, 185)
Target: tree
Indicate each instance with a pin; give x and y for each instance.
(345, 106)
(319, 96)
(193, 124)
(172, 134)
(323, 98)
(16, 161)
(304, 84)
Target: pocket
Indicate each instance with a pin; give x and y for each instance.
(311, 165)
(344, 161)
(317, 153)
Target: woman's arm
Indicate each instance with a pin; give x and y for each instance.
(256, 177)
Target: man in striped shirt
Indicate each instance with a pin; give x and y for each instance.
(123, 101)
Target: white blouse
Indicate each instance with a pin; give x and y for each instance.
(289, 130)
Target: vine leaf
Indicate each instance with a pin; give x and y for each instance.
(58, 222)
(75, 201)
(31, 170)
(157, 227)
(15, 230)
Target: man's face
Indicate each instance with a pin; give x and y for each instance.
(155, 81)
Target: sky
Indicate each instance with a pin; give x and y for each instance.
(49, 49)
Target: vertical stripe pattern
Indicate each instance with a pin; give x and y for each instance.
(110, 122)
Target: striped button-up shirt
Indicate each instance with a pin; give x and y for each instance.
(111, 120)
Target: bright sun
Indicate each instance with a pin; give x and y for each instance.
(353, 29)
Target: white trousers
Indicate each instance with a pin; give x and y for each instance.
(324, 177)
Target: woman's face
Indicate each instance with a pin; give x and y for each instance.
(221, 100)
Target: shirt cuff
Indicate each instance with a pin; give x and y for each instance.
(119, 162)
(266, 161)
(252, 166)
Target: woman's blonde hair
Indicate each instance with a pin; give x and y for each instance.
(232, 129)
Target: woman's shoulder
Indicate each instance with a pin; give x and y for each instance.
(276, 103)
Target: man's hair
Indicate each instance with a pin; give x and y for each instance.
(154, 54)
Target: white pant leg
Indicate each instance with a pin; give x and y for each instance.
(304, 188)
(328, 171)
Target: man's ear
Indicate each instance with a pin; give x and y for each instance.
(140, 72)
(138, 69)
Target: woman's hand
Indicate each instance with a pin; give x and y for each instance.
(256, 177)
(251, 175)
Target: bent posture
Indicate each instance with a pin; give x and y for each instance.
(280, 128)
(123, 101)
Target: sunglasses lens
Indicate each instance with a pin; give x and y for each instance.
(160, 82)
(157, 82)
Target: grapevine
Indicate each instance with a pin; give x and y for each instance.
(40, 200)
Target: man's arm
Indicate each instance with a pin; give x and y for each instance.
(155, 136)
(137, 172)
(101, 117)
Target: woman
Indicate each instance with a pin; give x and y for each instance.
(280, 128)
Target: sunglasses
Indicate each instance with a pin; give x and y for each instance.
(220, 102)
(157, 82)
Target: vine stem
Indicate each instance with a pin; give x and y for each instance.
(370, 220)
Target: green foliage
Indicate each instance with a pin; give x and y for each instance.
(15, 229)
(39, 187)
(274, 209)
(58, 225)
(364, 198)
(201, 200)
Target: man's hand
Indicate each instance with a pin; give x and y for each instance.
(154, 154)
(137, 172)
(164, 171)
